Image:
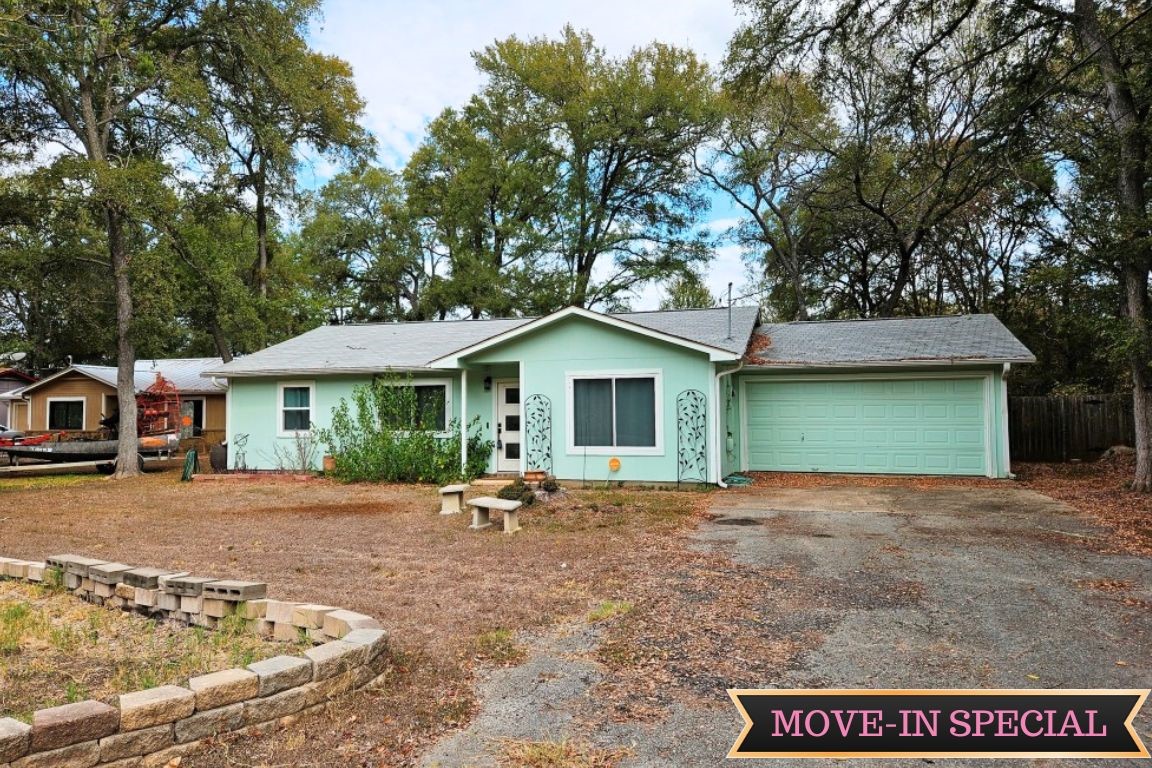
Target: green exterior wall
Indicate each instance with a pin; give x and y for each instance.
(253, 409)
(578, 345)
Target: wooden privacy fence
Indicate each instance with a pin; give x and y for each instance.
(1072, 427)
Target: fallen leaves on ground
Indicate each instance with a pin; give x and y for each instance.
(1100, 490)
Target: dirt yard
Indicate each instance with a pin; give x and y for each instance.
(616, 614)
(55, 649)
(451, 597)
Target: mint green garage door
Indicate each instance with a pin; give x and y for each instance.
(900, 426)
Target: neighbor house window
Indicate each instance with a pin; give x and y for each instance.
(418, 405)
(66, 414)
(296, 402)
(614, 412)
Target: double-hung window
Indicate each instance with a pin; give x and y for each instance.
(418, 405)
(615, 412)
(296, 402)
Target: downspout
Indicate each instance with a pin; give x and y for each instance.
(1005, 439)
(463, 423)
(716, 437)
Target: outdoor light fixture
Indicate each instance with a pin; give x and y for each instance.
(487, 383)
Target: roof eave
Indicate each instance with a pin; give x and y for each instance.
(328, 371)
(919, 362)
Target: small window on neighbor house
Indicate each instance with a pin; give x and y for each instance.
(66, 414)
(296, 409)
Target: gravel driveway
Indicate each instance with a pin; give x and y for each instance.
(1000, 588)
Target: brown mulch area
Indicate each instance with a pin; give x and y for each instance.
(1099, 489)
(382, 550)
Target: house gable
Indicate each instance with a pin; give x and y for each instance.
(542, 325)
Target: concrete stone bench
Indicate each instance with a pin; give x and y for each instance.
(482, 507)
(452, 499)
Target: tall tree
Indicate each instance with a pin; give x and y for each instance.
(273, 97)
(1126, 95)
(365, 249)
(622, 132)
(97, 78)
(483, 183)
(769, 157)
(124, 86)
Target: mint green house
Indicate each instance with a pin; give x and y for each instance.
(677, 396)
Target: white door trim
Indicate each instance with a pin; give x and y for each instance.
(497, 421)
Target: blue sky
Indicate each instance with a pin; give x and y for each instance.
(413, 59)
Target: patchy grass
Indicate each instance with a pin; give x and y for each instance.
(558, 754)
(499, 646)
(11, 484)
(56, 649)
(609, 609)
(379, 549)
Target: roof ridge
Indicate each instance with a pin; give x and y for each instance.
(880, 319)
(526, 318)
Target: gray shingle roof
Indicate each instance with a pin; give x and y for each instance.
(373, 347)
(910, 339)
(183, 372)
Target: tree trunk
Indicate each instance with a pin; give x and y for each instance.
(583, 278)
(1131, 178)
(261, 232)
(221, 341)
(127, 451)
(798, 289)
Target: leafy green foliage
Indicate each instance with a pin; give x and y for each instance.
(367, 447)
(687, 291)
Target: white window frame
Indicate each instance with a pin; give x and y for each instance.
(656, 374)
(48, 412)
(281, 386)
(448, 413)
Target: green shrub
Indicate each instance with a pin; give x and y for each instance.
(528, 498)
(549, 484)
(513, 491)
(379, 437)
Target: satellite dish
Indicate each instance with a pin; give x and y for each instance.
(17, 356)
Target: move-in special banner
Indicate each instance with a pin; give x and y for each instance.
(939, 723)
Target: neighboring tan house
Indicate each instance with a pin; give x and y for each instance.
(76, 398)
(10, 380)
(690, 395)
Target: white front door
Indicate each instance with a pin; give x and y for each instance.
(508, 433)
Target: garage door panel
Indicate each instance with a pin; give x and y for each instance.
(908, 426)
